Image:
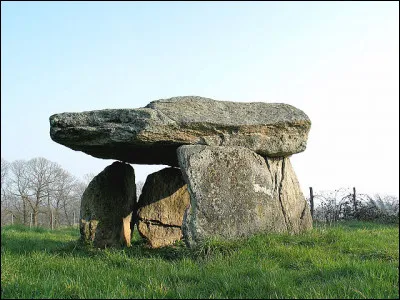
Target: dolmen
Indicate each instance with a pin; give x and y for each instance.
(229, 173)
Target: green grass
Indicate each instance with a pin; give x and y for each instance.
(350, 260)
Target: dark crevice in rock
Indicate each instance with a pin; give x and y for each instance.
(222, 139)
(303, 213)
(158, 223)
(280, 194)
(268, 166)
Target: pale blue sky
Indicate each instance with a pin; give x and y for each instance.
(336, 61)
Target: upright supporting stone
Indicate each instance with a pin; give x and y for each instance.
(235, 192)
(107, 205)
(161, 206)
(294, 206)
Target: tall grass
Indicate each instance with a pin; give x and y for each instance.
(349, 260)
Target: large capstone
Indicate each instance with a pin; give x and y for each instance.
(161, 207)
(151, 135)
(107, 206)
(235, 192)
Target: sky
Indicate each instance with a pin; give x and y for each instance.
(336, 61)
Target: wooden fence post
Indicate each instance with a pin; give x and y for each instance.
(30, 223)
(354, 199)
(312, 202)
(74, 220)
(52, 220)
(12, 219)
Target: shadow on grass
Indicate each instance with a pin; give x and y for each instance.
(138, 249)
(22, 241)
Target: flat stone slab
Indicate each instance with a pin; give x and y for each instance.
(151, 135)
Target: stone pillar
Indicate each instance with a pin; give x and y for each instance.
(107, 205)
(235, 192)
(161, 207)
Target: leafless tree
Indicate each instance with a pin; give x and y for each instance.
(18, 188)
(4, 170)
(5, 199)
(67, 195)
(139, 188)
(87, 178)
(39, 186)
(42, 177)
(4, 174)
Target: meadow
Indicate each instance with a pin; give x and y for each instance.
(347, 260)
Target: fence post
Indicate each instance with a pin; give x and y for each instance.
(30, 223)
(12, 219)
(354, 199)
(52, 220)
(74, 220)
(312, 202)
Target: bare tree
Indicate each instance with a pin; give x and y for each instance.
(19, 188)
(68, 192)
(42, 176)
(4, 170)
(5, 199)
(40, 187)
(87, 178)
(139, 188)
(4, 176)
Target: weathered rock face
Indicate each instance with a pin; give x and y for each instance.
(107, 205)
(161, 207)
(152, 134)
(295, 208)
(235, 192)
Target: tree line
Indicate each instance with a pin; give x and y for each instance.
(40, 192)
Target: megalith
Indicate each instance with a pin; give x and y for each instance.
(234, 159)
(235, 192)
(107, 205)
(151, 135)
(161, 207)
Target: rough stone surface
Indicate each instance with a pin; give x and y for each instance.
(286, 186)
(161, 206)
(107, 205)
(235, 192)
(152, 134)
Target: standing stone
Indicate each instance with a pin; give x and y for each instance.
(235, 192)
(287, 189)
(161, 207)
(107, 205)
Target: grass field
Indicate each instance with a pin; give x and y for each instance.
(350, 260)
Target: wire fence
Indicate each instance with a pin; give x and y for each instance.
(51, 220)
